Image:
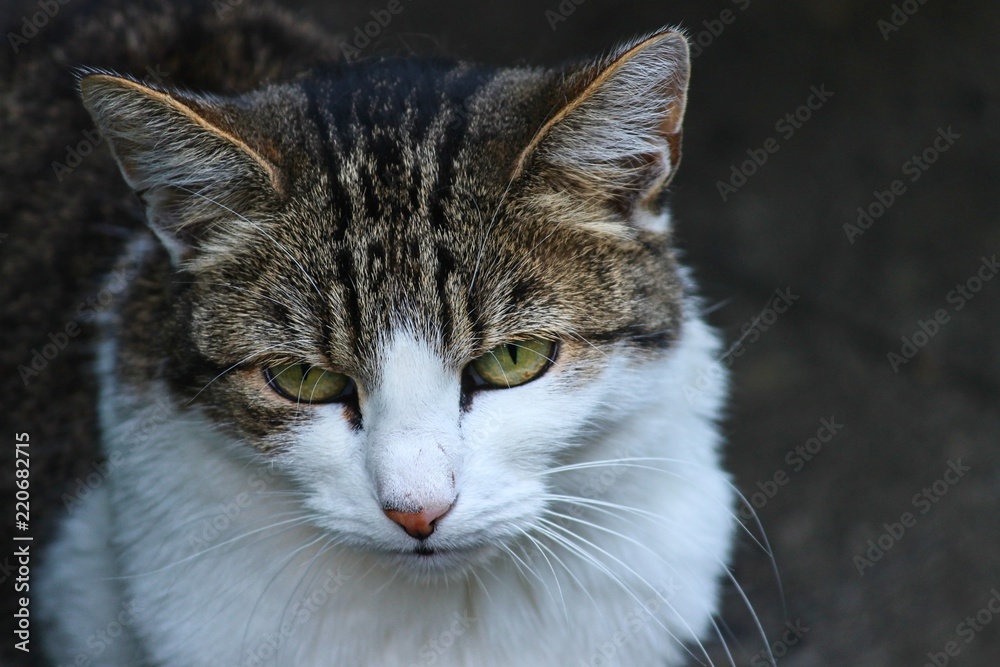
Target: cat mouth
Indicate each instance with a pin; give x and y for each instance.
(443, 558)
(425, 552)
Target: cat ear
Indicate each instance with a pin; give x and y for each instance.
(617, 143)
(182, 157)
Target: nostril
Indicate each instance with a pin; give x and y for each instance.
(420, 524)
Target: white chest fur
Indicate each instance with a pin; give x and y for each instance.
(190, 555)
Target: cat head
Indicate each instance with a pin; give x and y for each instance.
(413, 286)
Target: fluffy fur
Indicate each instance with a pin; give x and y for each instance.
(394, 221)
(229, 576)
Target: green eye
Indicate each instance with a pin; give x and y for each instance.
(308, 384)
(514, 363)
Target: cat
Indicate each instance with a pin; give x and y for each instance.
(403, 370)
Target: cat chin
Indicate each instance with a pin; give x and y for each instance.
(422, 562)
(425, 562)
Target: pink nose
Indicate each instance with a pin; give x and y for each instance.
(419, 524)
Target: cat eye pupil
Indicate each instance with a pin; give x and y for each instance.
(506, 365)
(303, 383)
(512, 364)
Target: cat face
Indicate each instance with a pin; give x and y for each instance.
(413, 288)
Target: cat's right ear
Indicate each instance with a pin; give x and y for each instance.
(606, 155)
(183, 156)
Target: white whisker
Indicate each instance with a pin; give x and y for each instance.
(555, 577)
(289, 525)
(590, 558)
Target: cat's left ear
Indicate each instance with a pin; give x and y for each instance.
(608, 154)
(202, 183)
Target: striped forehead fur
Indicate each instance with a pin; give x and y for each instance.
(399, 206)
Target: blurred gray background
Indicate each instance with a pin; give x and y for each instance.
(895, 78)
